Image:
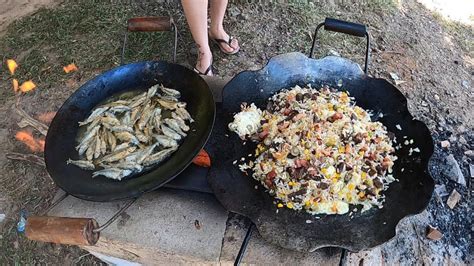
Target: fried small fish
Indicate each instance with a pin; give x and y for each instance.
(159, 156)
(116, 103)
(98, 144)
(114, 173)
(170, 132)
(138, 101)
(168, 104)
(174, 125)
(117, 155)
(145, 153)
(103, 146)
(89, 137)
(83, 164)
(120, 109)
(127, 137)
(180, 121)
(126, 119)
(122, 146)
(96, 113)
(122, 128)
(152, 91)
(90, 152)
(165, 141)
(181, 112)
(145, 117)
(170, 92)
(141, 137)
(109, 121)
(111, 141)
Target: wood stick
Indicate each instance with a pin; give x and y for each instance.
(30, 121)
(26, 157)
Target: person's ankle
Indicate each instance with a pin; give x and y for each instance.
(216, 31)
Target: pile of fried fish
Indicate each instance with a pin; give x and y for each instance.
(125, 136)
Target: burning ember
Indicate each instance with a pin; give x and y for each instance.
(70, 68)
(15, 85)
(12, 65)
(27, 86)
(34, 144)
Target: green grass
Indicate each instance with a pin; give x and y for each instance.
(86, 32)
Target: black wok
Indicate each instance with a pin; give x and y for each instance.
(299, 230)
(62, 133)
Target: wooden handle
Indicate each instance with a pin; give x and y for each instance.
(149, 24)
(62, 230)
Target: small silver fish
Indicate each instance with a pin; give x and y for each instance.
(111, 140)
(159, 156)
(83, 164)
(141, 137)
(170, 92)
(96, 113)
(120, 109)
(121, 128)
(109, 121)
(90, 152)
(122, 146)
(117, 155)
(165, 141)
(113, 173)
(126, 119)
(168, 104)
(127, 137)
(116, 103)
(145, 153)
(170, 132)
(174, 126)
(89, 136)
(103, 146)
(98, 144)
(181, 112)
(180, 121)
(152, 91)
(123, 165)
(145, 117)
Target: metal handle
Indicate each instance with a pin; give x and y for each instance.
(150, 24)
(354, 29)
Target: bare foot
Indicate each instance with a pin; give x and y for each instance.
(204, 61)
(221, 34)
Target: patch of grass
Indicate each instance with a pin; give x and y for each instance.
(86, 32)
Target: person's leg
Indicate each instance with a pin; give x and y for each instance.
(196, 15)
(218, 8)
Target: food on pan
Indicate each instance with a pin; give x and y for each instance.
(124, 136)
(317, 151)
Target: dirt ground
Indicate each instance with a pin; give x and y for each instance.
(433, 56)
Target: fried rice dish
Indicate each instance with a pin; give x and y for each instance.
(317, 151)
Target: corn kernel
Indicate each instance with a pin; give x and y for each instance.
(280, 205)
(307, 203)
(351, 186)
(361, 194)
(289, 205)
(363, 175)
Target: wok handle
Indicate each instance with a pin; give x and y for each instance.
(354, 29)
(150, 24)
(62, 230)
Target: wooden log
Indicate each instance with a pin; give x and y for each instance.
(62, 230)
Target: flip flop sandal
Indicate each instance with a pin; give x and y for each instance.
(205, 72)
(219, 43)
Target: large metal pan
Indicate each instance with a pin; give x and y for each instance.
(299, 230)
(62, 133)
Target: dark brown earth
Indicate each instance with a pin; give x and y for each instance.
(434, 57)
